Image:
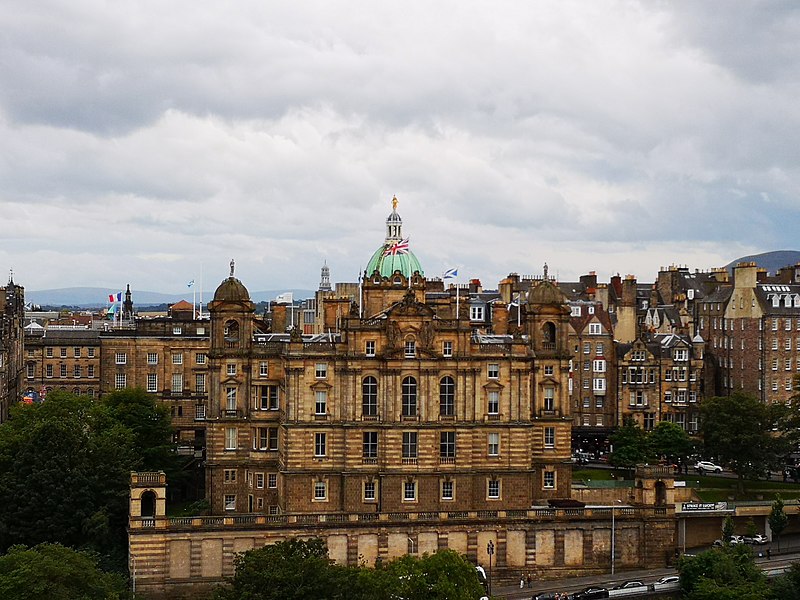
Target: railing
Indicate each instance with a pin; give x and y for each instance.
(145, 478)
(259, 521)
(227, 413)
(447, 460)
(409, 461)
(549, 346)
(369, 460)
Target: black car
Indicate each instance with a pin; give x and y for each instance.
(547, 596)
(591, 593)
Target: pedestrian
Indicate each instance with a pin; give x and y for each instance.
(530, 580)
(769, 554)
(521, 582)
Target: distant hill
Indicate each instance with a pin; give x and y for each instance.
(89, 297)
(771, 261)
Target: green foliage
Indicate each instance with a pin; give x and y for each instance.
(630, 445)
(670, 441)
(727, 528)
(787, 586)
(745, 434)
(722, 573)
(53, 571)
(301, 569)
(777, 519)
(65, 469)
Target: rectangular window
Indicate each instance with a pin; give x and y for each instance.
(260, 481)
(200, 383)
(30, 370)
(76, 352)
(230, 502)
(774, 324)
(231, 369)
(369, 491)
(200, 358)
(76, 371)
(320, 444)
(272, 439)
(177, 330)
(63, 370)
(494, 444)
(63, 352)
(269, 398)
(587, 365)
(48, 370)
(410, 444)
(152, 358)
(493, 407)
(587, 347)
(447, 444)
(587, 402)
(549, 399)
(91, 352)
(493, 491)
(230, 475)
(447, 490)
(493, 371)
(90, 371)
(599, 349)
(120, 381)
(263, 369)
(409, 491)
(320, 490)
(410, 349)
(152, 382)
(595, 329)
(369, 445)
(549, 437)
(549, 369)
(321, 402)
(200, 412)
(599, 366)
(447, 349)
(549, 480)
(121, 358)
(272, 480)
(177, 383)
(681, 354)
(321, 371)
(49, 353)
(369, 347)
(231, 438)
(476, 313)
(177, 359)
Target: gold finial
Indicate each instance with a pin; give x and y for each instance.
(394, 202)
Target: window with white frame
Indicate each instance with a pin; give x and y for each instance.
(260, 481)
(548, 370)
(320, 490)
(76, 352)
(599, 366)
(447, 348)
(493, 405)
(200, 383)
(231, 369)
(476, 312)
(599, 349)
(177, 358)
(369, 491)
(681, 354)
(230, 475)
(549, 480)
(447, 489)
(595, 329)
(272, 480)
(493, 371)
(63, 353)
(549, 437)
(263, 369)
(91, 352)
(321, 370)
(63, 370)
(320, 444)
(409, 491)
(76, 371)
(369, 347)
(599, 384)
(587, 347)
(177, 330)
(231, 438)
(200, 358)
(549, 398)
(152, 382)
(493, 489)
(410, 349)
(152, 358)
(321, 402)
(120, 381)
(121, 358)
(177, 383)
(493, 440)
(598, 420)
(230, 502)
(49, 353)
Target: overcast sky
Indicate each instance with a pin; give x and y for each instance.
(150, 142)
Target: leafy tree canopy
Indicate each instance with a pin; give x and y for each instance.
(670, 441)
(722, 573)
(630, 445)
(53, 571)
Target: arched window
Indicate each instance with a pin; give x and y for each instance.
(148, 508)
(447, 396)
(369, 397)
(549, 333)
(409, 397)
(231, 334)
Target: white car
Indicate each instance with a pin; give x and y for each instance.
(705, 465)
(737, 539)
(668, 582)
(758, 539)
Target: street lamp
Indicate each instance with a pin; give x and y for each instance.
(613, 535)
(411, 541)
(490, 551)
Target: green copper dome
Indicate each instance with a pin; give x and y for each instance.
(394, 254)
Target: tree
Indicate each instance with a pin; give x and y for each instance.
(65, 471)
(445, 575)
(728, 528)
(670, 441)
(787, 586)
(777, 518)
(53, 571)
(727, 573)
(630, 445)
(745, 434)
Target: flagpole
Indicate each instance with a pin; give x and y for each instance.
(457, 303)
(201, 290)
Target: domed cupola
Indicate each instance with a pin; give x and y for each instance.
(231, 290)
(394, 254)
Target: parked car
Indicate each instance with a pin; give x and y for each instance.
(591, 593)
(758, 539)
(737, 539)
(628, 585)
(547, 596)
(705, 465)
(718, 544)
(668, 582)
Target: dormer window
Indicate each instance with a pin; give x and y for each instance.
(595, 329)
(476, 312)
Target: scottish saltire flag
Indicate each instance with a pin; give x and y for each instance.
(400, 247)
(190, 284)
(450, 274)
(115, 297)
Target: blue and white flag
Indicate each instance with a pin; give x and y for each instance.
(190, 284)
(450, 274)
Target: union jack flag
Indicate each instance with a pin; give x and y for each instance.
(400, 247)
